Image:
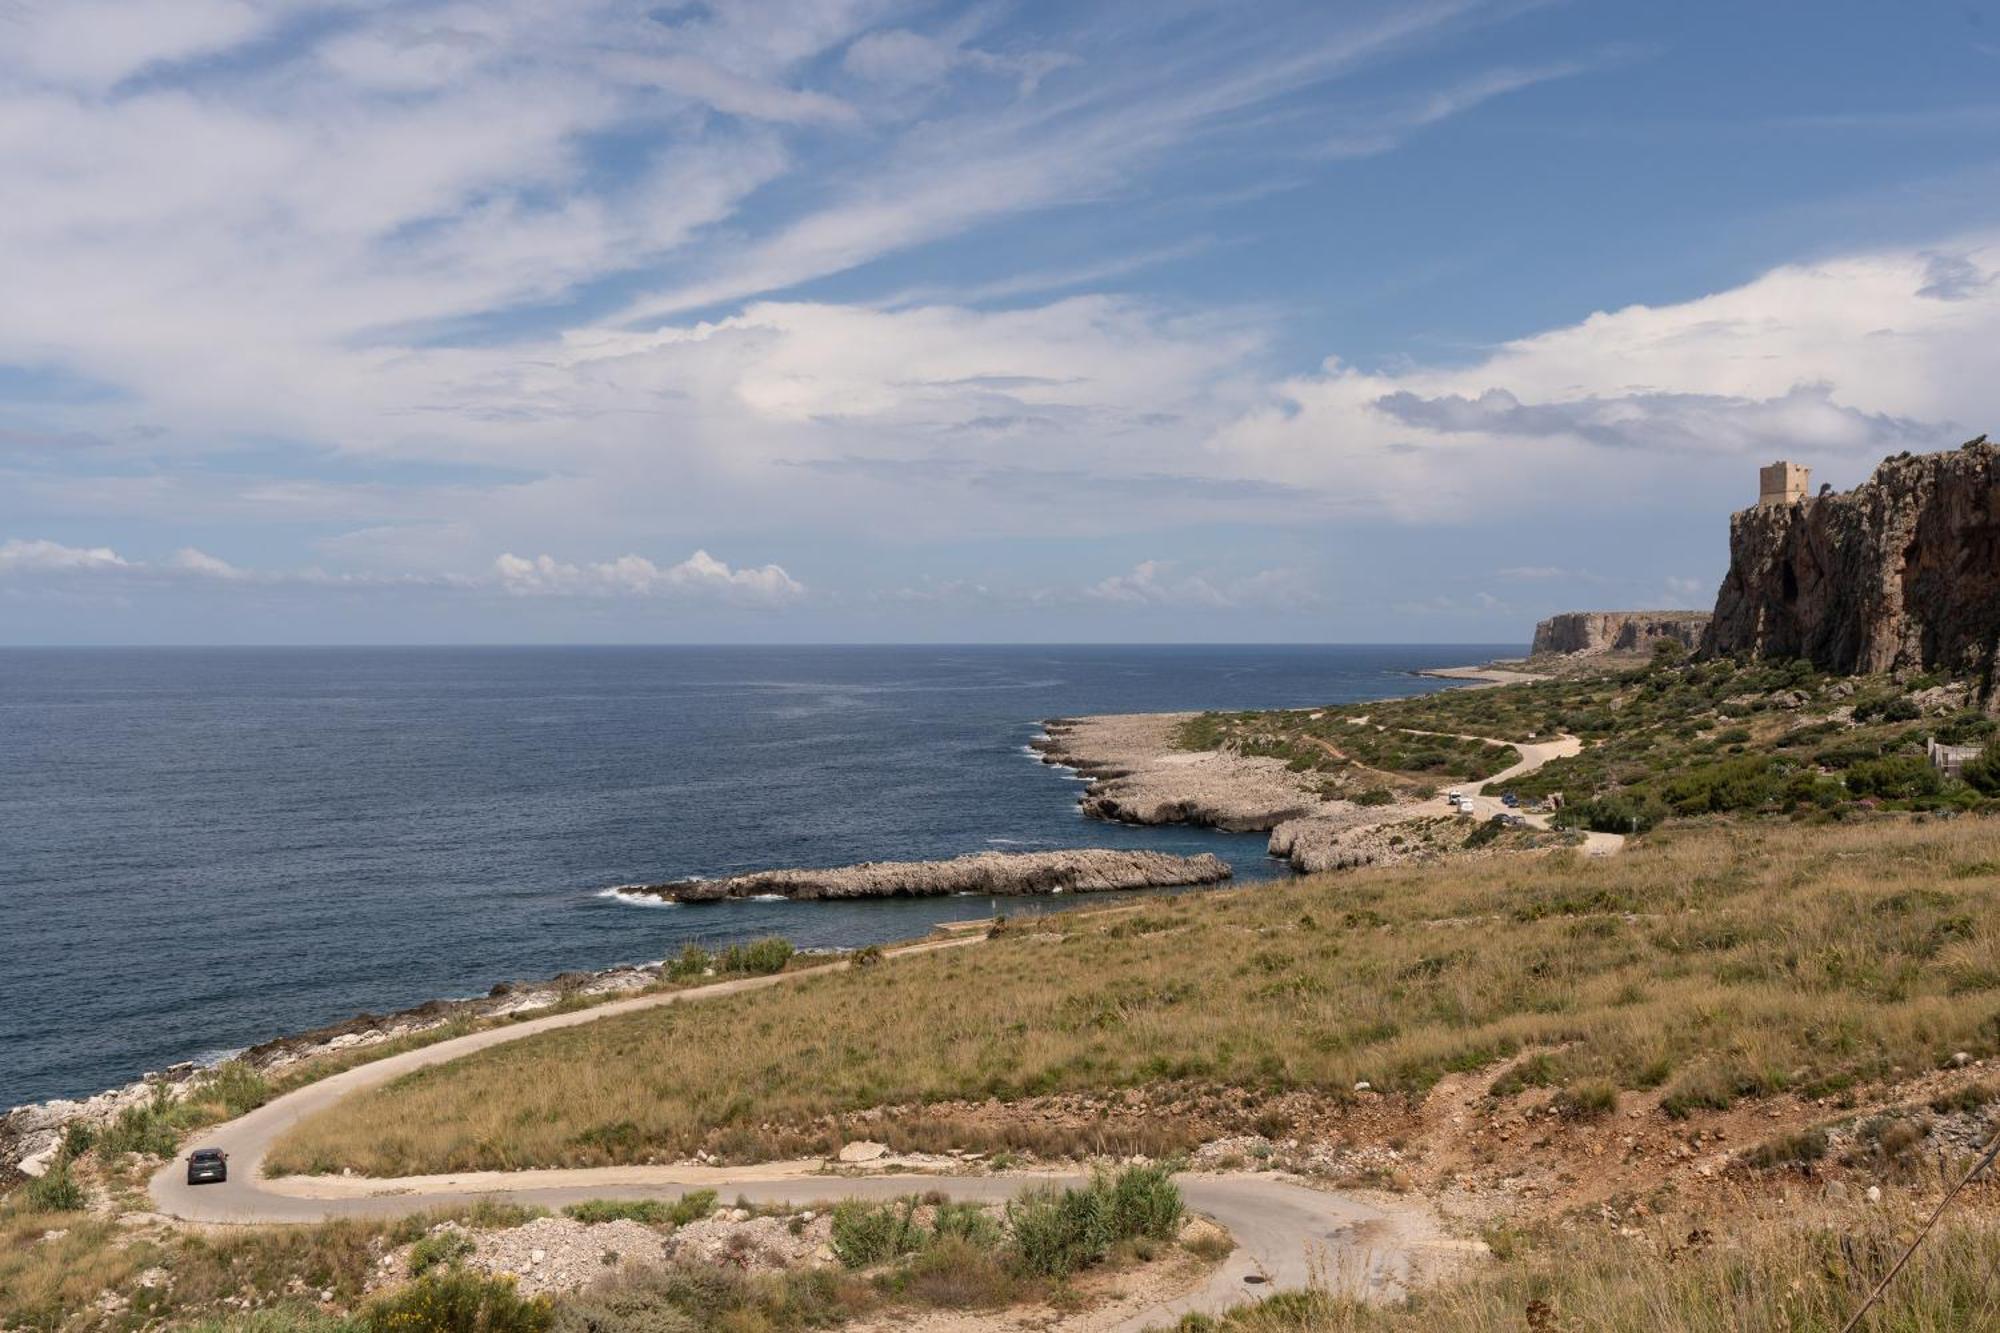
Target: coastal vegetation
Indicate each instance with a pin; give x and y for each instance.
(1352, 753)
(1666, 740)
(71, 1269)
(1703, 966)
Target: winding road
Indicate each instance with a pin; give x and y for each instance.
(1287, 1234)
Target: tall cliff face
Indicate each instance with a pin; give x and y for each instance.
(1901, 571)
(1617, 631)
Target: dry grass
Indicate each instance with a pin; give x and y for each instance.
(1718, 963)
(1773, 1276)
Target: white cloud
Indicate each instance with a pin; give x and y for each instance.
(40, 556)
(1844, 360)
(1154, 583)
(188, 560)
(701, 574)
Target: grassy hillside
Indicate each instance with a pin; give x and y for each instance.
(1712, 964)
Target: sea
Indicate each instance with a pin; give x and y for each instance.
(201, 849)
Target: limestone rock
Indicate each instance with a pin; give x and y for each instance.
(1900, 573)
(1005, 874)
(863, 1151)
(1588, 633)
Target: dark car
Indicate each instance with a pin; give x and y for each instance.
(1510, 800)
(208, 1166)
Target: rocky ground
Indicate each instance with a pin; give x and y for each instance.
(1140, 776)
(1001, 874)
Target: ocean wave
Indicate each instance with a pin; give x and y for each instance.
(631, 897)
(219, 1056)
(768, 898)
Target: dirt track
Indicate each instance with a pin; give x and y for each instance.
(1286, 1232)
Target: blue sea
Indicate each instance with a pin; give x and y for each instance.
(201, 849)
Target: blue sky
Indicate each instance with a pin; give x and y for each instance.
(826, 320)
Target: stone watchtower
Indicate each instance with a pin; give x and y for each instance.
(1782, 483)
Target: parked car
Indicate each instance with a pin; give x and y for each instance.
(208, 1166)
(1510, 800)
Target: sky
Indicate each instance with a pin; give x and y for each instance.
(366, 321)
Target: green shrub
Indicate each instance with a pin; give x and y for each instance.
(440, 1249)
(1057, 1232)
(77, 1139)
(867, 1234)
(967, 1222)
(458, 1302)
(694, 961)
(239, 1088)
(1895, 777)
(592, 1211)
(1373, 796)
(140, 1129)
(759, 957)
(691, 1207)
(55, 1191)
(1982, 771)
(1591, 1099)
(1145, 1202)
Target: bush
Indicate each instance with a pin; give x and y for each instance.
(56, 1191)
(1982, 771)
(691, 1207)
(967, 1222)
(458, 1302)
(140, 1129)
(1897, 777)
(1056, 1232)
(441, 1249)
(77, 1139)
(650, 1211)
(693, 962)
(1591, 1099)
(1146, 1202)
(237, 1087)
(867, 1234)
(759, 957)
(1373, 796)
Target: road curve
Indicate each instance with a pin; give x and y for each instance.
(1287, 1234)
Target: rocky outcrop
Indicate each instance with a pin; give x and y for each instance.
(1902, 572)
(1003, 874)
(1140, 775)
(1593, 632)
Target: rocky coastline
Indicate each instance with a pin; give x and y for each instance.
(999, 874)
(30, 1134)
(1139, 775)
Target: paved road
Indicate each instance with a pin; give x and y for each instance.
(1286, 1233)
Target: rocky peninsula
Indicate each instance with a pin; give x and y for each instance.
(1000, 874)
(1140, 775)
